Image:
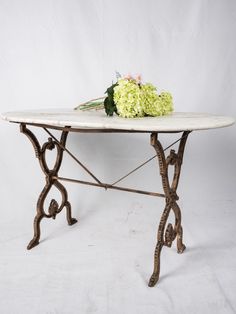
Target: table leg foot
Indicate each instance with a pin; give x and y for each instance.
(35, 240)
(71, 221)
(153, 280)
(156, 272)
(180, 246)
(181, 250)
(33, 243)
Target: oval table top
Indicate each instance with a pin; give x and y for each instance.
(97, 119)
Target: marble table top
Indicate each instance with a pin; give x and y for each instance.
(97, 119)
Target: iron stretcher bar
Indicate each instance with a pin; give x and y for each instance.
(109, 186)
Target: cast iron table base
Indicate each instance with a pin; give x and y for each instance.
(165, 235)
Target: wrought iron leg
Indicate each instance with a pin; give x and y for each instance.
(39, 216)
(35, 240)
(179, 229)
(166, 235)
(71, 221)
(50, 174)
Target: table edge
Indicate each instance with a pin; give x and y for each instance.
(87, 128)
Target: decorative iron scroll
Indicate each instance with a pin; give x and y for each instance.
(50, 173)
(166, 235)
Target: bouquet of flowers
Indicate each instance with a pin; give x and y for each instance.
(130, 98)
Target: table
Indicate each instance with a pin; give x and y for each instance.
(92, 121)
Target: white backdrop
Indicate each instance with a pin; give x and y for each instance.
(58, 53)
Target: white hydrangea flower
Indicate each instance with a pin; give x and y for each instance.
(134, 99)
(128, 99)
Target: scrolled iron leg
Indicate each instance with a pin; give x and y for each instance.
(160, 243)
(50, 174)
(35, 240)
(39, 216)
(156, 272)
(165, 238)
(53, 210)
(178, 227)
(71, 221)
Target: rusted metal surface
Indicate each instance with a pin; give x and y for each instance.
(166, 237)
(166, 234)
(110, 186)
(54, 207)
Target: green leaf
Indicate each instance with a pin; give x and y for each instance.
(109, 104)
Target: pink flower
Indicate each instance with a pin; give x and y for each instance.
(138, 79)
(128, 77)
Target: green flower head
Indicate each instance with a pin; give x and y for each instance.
(134, 99)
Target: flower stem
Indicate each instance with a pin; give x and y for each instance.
(92, 104)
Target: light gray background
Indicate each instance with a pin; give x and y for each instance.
(56, 53)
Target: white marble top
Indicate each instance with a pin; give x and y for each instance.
(177, 121)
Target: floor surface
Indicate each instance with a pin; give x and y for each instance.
(102, 264)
